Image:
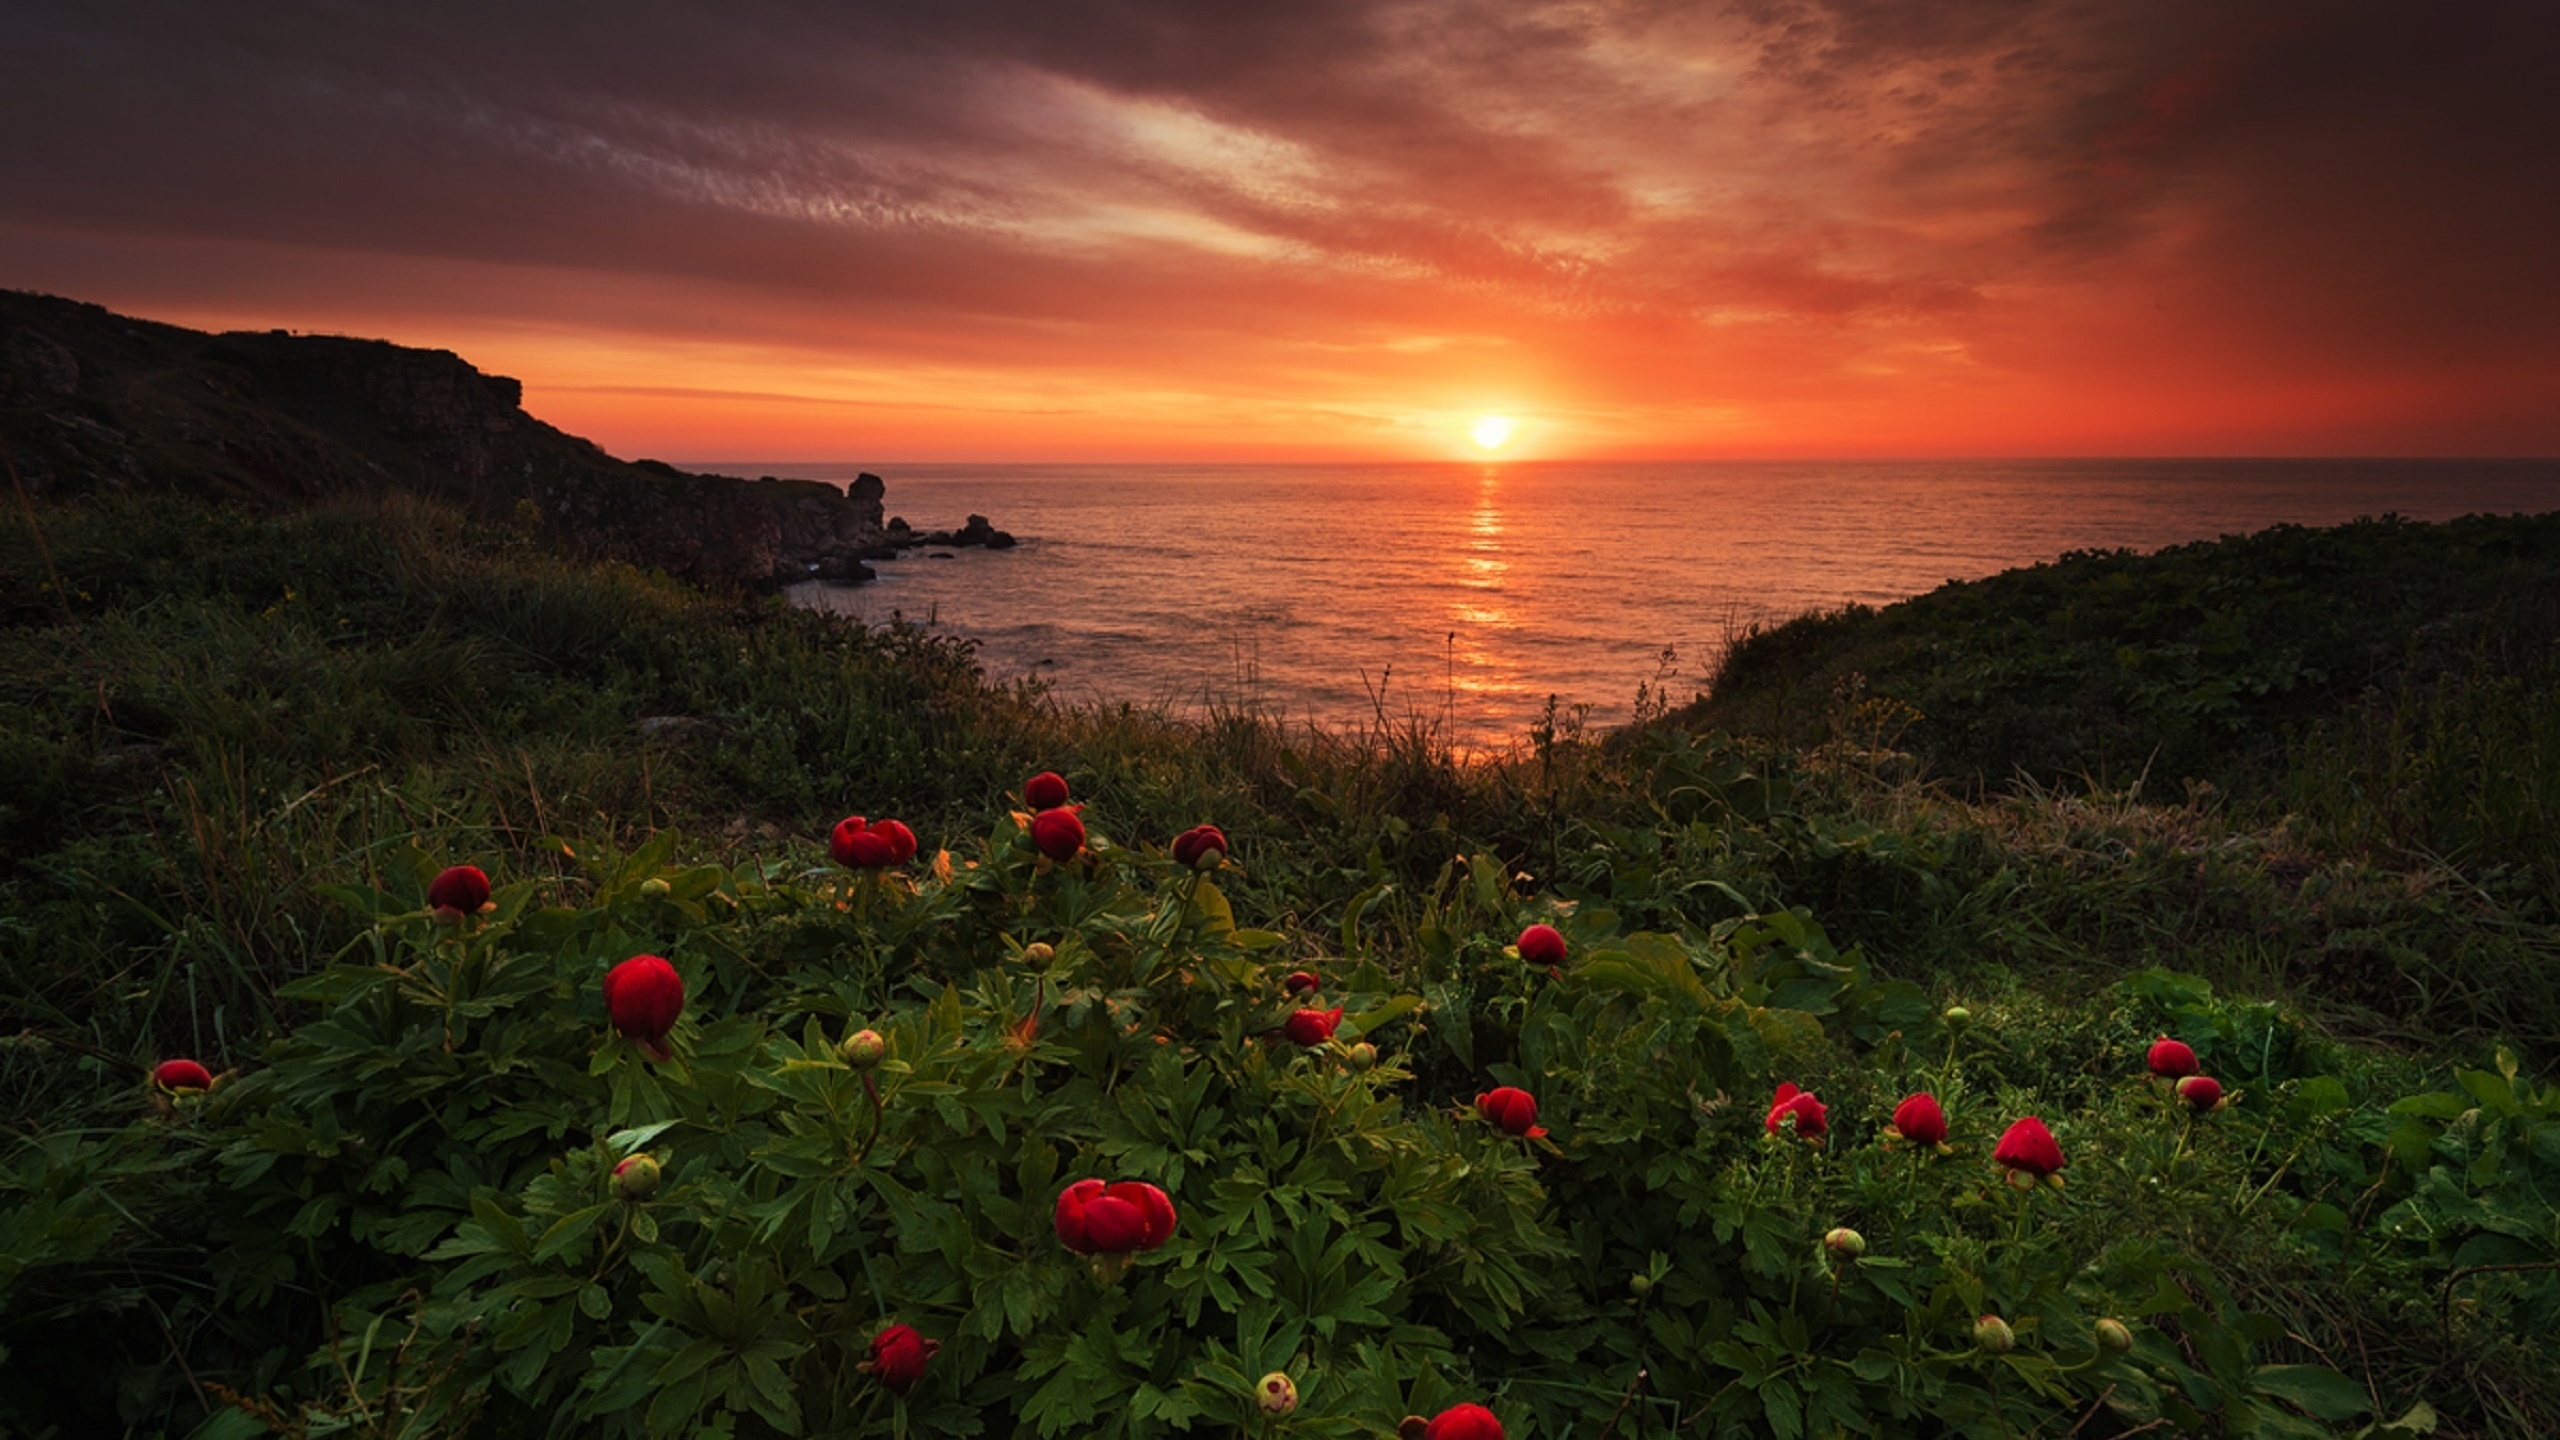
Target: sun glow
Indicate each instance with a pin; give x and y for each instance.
(1492, 430)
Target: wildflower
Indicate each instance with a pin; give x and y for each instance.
(1919, 1120)
(460, 890)
(1045, 791)
(1202, 847)
(636, 1177)
(1843, 1241)
(1098, 1219)
(1541, 945)
(1994, 1335)
(1463, 1422)
(850, 844)
(2172, 1059)
(898, 1356)
(2202, 1093)
(181, 1077)
(1312, 1027)
(1058, 833)
(2028, 1148)
(1512, 1110)
(1811, 1116)
(1300, 982)
(864, 1049)
(643, 995)
(1276, 1394)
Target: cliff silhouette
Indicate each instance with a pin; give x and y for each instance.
(94, 402)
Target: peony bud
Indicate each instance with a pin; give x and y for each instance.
(1058, 834)
(1098, 1219)
(1640, 1284)
(1277, 1394)
(1844, 1242)
(2171, 1059)
(1361, 1056)
(1957, 1017)
(2202, 1093)
(654, 887)
(1039, 953)
(898, 1356)
(1919, 1119)
(1541, 945)
(1045, 791)
(1312, 1027)
(644, 995)
(864, 1049)
(2028, 1148)
(460, 890)
(1300, 982)
(1811, 1116)
(1202, 847)
(636, 1177)
(1512, 1110)
(2113, 1337)
(1994, 1335)
(181, 1077)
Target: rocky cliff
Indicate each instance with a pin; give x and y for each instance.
(93, 401)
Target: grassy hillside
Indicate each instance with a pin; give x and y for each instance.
(233, 749)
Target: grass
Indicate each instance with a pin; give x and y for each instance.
(2316, 770)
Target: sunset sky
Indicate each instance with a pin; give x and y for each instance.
(1345, 229)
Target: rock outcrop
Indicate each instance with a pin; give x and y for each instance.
(94, 401)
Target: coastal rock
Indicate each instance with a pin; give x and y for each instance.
(91, 400)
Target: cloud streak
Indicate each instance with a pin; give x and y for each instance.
(1139, 229)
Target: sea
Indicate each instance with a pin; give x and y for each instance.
(1482, 599)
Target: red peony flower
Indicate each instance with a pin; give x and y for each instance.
(1464, 1422)
(1045, 791)
(1193, 848)
(1313, 1027)
(1812, 1117)
(181, 1077)
(2172, 1059)
(644, 995)
(2201, 1092)
(1098, 1219)
(1300, 982)
(860, 845)
(898, 1355)
(461, 889)
(1919, 1120)
(1542, 945)
(1512, 1110)
(2029, 1149)
(1058, 833)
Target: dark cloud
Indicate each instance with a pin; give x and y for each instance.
(2258, 192)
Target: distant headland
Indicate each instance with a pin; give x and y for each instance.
(92, 401)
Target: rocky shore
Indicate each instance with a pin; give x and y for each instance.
(96, 402)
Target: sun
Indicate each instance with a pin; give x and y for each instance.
(1492, 430)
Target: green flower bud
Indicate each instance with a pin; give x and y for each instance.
(1958, 1017)
(1039, 953)
(1845, 1242)
(1640, 1284)
(1994, 1335)
(636, 1178)
(864, 1049)
(1362, 1055)
(653, 886)
(2113, 1337)
(1276, 1394)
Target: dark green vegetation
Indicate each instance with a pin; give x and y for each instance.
(232, 749)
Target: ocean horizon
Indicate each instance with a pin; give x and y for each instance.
(1466, 594)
